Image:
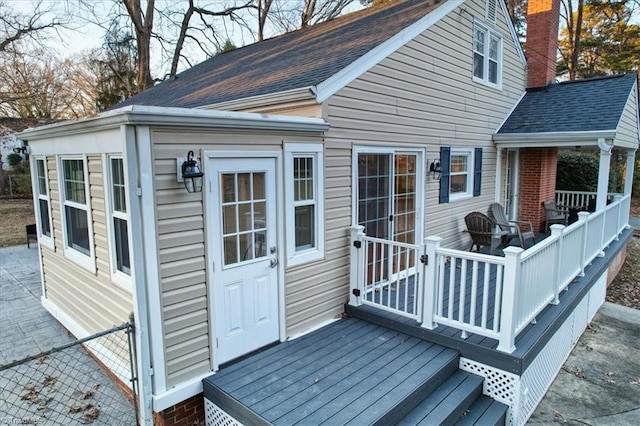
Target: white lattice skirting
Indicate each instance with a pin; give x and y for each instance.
(215, 416)
(523, 393)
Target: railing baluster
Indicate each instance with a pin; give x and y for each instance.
(441, 284)
(452, 284)
(497, 298)
(474, 293)
(463, 289)
(485, 295)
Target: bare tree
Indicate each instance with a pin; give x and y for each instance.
(143, 24)
(35, 26)
(570, 48)
(40, 86)
(204, 14)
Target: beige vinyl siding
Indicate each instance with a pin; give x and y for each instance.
(90, 299)
(627, 132)
(308, 108)
(181, 221)
(422, 96)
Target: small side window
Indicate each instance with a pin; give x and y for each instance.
(43, 202)
(304, 170)
(118, 223)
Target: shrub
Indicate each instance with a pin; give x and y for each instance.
(14, 159)
(577, 171)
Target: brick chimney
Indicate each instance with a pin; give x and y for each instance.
(543, 17)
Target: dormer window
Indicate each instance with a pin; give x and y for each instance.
(487, 55)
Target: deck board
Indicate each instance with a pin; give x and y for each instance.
(331, 376)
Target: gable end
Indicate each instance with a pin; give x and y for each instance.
(351, 72)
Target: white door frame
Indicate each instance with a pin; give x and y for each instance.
(250, 152)
(514, 185)
(420, 180)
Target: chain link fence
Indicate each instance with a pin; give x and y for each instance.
(89, 381)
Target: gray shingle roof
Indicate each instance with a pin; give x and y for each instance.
(574, 106)
(294, 60)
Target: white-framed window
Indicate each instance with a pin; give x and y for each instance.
(460, 183)
(43, 202)
(461, 173)
(304, 187)
(77, 226)
(487, 55)
(117, 221)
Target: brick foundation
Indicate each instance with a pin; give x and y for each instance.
(189, 412)
(537, 183)
(616, 265)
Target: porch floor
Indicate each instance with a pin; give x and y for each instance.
(483, 349)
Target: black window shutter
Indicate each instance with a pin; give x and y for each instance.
(477, 172)
(445, 178)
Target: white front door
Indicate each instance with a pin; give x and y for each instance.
(245, 254)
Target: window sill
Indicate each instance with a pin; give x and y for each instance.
(122, 281)
(81, 259)
(47, 242)
(460, 197)
(305, 257)
(486, 83)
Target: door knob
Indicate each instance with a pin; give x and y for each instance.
(273, 263)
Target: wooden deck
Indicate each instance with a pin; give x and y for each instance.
(376, 367)
(482, 349)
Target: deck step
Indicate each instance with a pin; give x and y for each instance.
(448, 402)
(484, 411)
(350, 372)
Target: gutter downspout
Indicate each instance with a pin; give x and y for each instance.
(140, 304)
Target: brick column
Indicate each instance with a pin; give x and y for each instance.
(537, 183)
(186, 413)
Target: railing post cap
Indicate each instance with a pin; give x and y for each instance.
(433, 239)
(556, 229)
(512, 250)
(583, 215)
(358, 228)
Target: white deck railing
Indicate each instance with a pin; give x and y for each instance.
(579, 199)
(388, 275)
(491, 296)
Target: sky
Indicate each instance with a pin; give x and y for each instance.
(83, 35)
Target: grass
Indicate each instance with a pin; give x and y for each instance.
(15, 214)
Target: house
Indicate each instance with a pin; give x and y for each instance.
(329, 154)
(9, 127)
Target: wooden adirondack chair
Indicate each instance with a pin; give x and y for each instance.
(514, 228)
(555, 214)
(481, 228)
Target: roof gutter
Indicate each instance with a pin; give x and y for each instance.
(527, 140)
(178, 117)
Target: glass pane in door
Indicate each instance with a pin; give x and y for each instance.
(373, 210)
(404, 208)
(243, 210)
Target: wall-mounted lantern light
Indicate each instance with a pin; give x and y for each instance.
(435, 169)
(191, 174)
